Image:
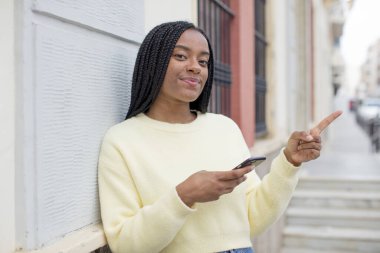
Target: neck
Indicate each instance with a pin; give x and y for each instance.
(178, 113)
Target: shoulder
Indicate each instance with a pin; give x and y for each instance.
(226, 129)
(120, 130)
(221, 120)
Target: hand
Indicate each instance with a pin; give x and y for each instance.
(205, 186)
(306, 146)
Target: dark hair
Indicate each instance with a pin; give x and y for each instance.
(151, 65)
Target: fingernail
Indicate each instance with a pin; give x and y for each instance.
(309, 138)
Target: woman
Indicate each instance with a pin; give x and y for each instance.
(166, 182)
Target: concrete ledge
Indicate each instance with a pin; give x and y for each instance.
(87, 239)
(334, 217)
(337, 194)
(333, 233)
(333, 213)
(330, 239)
(308, 178)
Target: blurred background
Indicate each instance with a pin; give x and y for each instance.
(280, 66)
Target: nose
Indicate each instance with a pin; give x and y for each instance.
(194, 66)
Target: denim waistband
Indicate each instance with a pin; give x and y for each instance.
(241, 250)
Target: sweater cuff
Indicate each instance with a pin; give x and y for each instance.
(173, 202)
(284, 167)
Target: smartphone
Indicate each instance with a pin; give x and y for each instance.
(255, 161)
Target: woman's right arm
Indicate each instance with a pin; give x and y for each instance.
(129, 226)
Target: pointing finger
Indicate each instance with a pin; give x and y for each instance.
(234, 174)
(325, 123)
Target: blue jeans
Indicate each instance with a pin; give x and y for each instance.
(241, 250)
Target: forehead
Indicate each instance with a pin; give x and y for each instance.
(193, 39)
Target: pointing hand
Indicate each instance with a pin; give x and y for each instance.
(305, 146)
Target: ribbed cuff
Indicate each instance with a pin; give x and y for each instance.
(283, 167)
(174, 203)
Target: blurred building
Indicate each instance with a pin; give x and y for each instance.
(68, 75)
(370, 71)
(337, 13)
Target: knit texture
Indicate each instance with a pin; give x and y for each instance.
(142, 161)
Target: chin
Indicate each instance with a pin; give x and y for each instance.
(191, 99)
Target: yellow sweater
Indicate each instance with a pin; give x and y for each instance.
(142, 161)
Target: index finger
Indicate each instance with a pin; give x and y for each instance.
(325, 122)
(234, 174)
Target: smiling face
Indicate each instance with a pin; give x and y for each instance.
(187, 71)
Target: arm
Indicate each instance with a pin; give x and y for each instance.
(268, 199)
(128, 224)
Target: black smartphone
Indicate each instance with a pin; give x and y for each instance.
(251, 161)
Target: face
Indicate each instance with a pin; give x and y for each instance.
(187, 71)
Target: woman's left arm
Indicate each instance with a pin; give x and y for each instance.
(268, 199)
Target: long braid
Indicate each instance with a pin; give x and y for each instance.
(152, 62)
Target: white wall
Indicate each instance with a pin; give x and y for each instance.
(74, 70)
(322, 55)
(7, 133)
(287, 85)
(276, 71)
(157, 12)
(293, 65)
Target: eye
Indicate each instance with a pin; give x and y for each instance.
(180, 57)
(203, 63)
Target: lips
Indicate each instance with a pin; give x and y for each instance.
(191, 81)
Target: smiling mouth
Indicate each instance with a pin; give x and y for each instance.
(192, 82)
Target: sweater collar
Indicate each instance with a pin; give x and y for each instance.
(172, 127)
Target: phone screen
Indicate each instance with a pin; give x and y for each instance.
(255, 161)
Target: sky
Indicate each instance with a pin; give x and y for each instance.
(361, 29)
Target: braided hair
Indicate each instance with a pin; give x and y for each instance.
(151, 65)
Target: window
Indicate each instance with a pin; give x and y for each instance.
(260, 56)
(214, 18)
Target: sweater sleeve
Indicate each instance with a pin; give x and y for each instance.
(129, 226)
(267, 199)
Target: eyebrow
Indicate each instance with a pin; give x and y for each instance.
(188, 49)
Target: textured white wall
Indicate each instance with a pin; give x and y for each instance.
(157, 12)
(7, 134)
(77, 64)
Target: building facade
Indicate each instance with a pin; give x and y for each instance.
(70, 79)
(370, 71)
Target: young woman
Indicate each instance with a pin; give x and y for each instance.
(166, 182)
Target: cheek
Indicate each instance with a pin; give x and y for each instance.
(172, 71)
(169, 77)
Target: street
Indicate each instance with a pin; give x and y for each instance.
(347, 152)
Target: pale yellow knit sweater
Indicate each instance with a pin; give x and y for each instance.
(142, 161)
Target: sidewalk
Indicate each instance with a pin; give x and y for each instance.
(346, 153)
